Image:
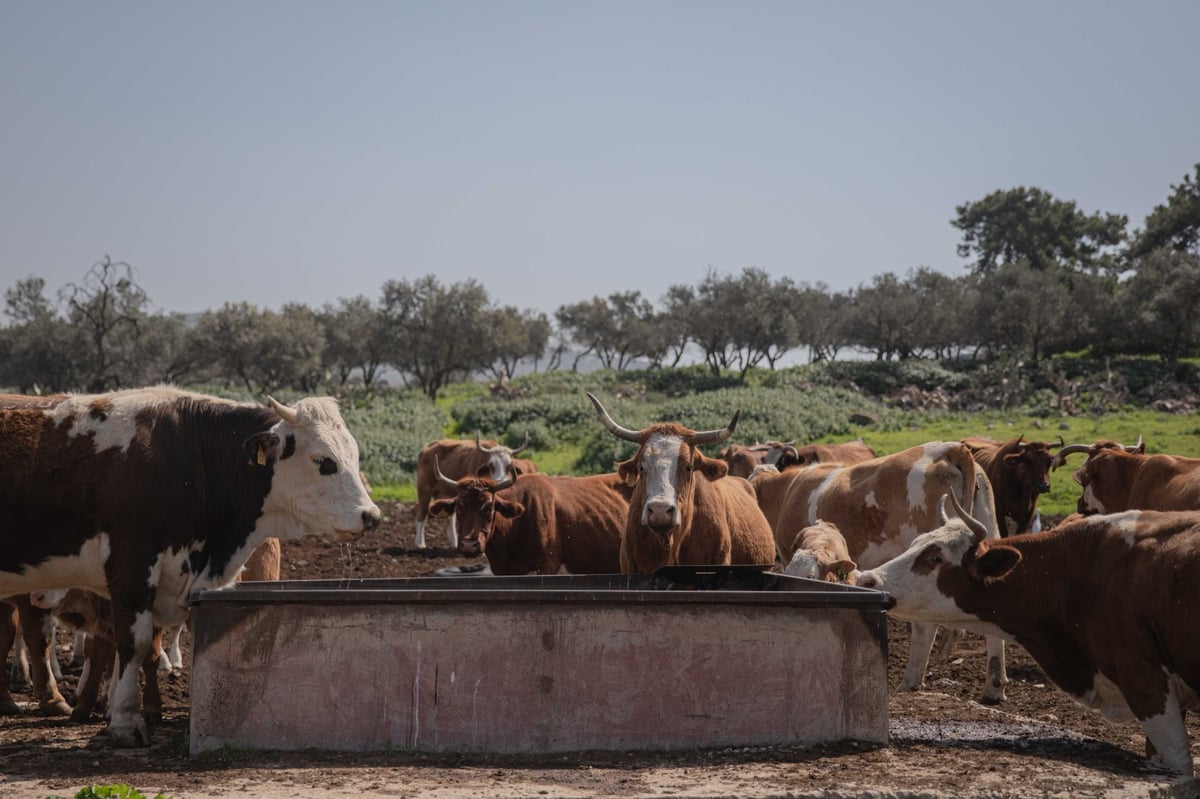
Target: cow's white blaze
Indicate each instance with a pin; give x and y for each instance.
(302, 499)
(660, 463)
(870, 501)
(1090, 503)
(804, 564)
(84, 569)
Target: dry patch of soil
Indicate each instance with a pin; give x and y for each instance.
(943, 743)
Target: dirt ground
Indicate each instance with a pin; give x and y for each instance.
(942, 742)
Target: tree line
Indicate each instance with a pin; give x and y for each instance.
(1043, 278)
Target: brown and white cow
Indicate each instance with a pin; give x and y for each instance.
(461, 458)
(1117, 477)
(787, 456)
(540, 524)
(1131, 653)
(880, 506)
(37, 631)
(89, 613)
(684, 508)
(820, 554)
(1019, 472)
(146, 495)
(742, 458)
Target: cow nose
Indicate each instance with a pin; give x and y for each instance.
(660, 514)
(370, 520)
(867, 580)
(468, 547)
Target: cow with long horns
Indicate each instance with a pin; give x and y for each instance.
(684, 508)
(1117, 477)
(461, 458)
(1131, 654)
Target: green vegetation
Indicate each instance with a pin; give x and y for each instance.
(818, 403)
(110, 792)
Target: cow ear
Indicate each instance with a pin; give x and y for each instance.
(509, 509)
(441, 507)
(1013, 458)
(842, 570)
(262, 448)
(997, 561)
(711, 468)
(627, 471)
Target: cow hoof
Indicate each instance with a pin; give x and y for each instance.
(10, 708)
(129, 738)
(153, 718)
(56, 708)
(81, 715)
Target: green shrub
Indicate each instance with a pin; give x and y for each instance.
(110, 792)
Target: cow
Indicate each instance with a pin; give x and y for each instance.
(820, 554)
(461, 458)
(146, 495)
(880, 506)
(540, 524)
(84, 611)
(1019, 472)
(1131, 654)
(37, 631)
(786, 456)
(1117, 477)
(742, 458)
(684, 509)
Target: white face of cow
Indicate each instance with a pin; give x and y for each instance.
(911, 578)
(316, 488)
(658, 465)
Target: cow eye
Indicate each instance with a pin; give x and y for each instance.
(326, 465)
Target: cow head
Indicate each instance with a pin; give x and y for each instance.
(926, 579)
(742, 459)
(315, 484)
(1029, 464)
(818, 555)
(498, 459)
(664, 467)
(1105, 474)
(474, 507)
(783, 455)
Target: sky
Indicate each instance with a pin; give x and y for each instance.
(273, 152)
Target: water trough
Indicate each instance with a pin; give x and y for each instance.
(686, 658)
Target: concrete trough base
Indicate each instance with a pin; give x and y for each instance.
(535, 665)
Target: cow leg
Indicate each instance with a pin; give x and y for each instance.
(50, 630)
(134, 629)
(452, 532)
(8, 636)
(420, 534)
(997, 675)
(152, 705)
(99, 654)
(1167, 734)
(33, 633)
(78, 649)
(919, 646)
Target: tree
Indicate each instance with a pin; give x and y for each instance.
(1162, 304)
(614, 329)
(167, 352)
(39, 351)
(885, 317)
(1031, 226)
(436, 333)
(514, 336)
(356, 338)
(822, 321)
(108, 307)
(1175, 224)
(1022, 310)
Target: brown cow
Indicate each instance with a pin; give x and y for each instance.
(880, 506)
(1117, 477)
(540, 524)
(461, 458)
(1129, 653)
(786, 456)
(1019, 472)
(90, 613)
(742, 458)
(16, 613)
(820, 554)
(684, 509)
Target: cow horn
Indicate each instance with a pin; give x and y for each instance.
(1060, 457)
(289, 415)
(1138, 447)
(712, 436)
(446, 481)
(943, 518)
(623, 433)
(479, 445)
(505, 483)
(524, 444)
(1060, 443)
(977, 527)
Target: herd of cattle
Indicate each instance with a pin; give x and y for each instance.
(138, 498)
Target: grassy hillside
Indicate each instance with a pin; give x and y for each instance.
(565, 436)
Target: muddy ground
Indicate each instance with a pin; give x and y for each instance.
(1038, 743)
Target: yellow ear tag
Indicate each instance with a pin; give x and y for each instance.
(262, 456)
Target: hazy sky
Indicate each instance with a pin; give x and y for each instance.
(306, 151)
